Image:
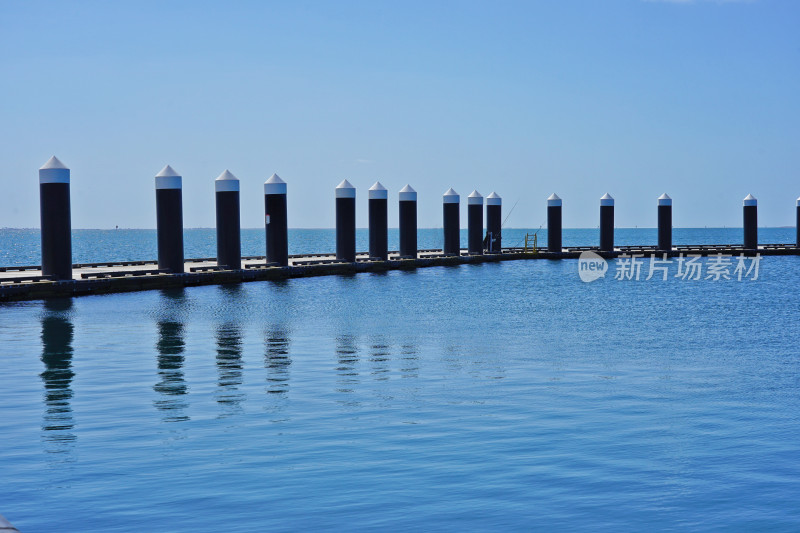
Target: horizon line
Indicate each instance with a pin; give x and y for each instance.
(433, 228)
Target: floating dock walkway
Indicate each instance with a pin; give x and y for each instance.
(57, 276)
(28, 282)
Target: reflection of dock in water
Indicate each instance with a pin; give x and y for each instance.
(170, 346)
(277, 361)
(409, 360)
(379, 352)
(229, 367)
(57, 336)
(347, 358)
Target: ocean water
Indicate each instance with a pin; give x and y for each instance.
(504, 396)
(22, 246)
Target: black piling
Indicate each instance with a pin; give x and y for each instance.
(346, 222)
(607, 223)
(276, 221)
(554, 223)
(750, 214)
(229, 240)
(665, 223)
(798, 223)
(451, 223)
(54, 212)
(169, 220)
(494, 222)
(378, 222)
(408, 222)
(475, 223)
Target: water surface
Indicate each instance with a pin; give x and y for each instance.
(506, 395)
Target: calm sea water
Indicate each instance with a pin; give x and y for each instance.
(479, 397)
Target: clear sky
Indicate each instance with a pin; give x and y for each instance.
(699, 99)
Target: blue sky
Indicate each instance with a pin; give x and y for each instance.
(695, 98)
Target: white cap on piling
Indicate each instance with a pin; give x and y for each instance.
(451, 197)
(168, 179)
(553, 201)
(475, 198)
(750, 200)
(407, 194)
(798, 201)
(54, 171)
(345, 190)
(607, 199)
(378, 192)
(274, 185)
(226, 182)
(494, 199)
(664, 199)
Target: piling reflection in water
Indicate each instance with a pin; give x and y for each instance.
(229, 366)
(379, 358)
(57, 336)
(170, 347)
(277, 361)
(347, 356)
(409, 361)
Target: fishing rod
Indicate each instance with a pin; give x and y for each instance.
(509, 213)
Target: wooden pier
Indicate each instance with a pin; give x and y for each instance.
(28, 283)
(57, 277)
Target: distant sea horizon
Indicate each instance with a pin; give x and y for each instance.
(420, 228)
